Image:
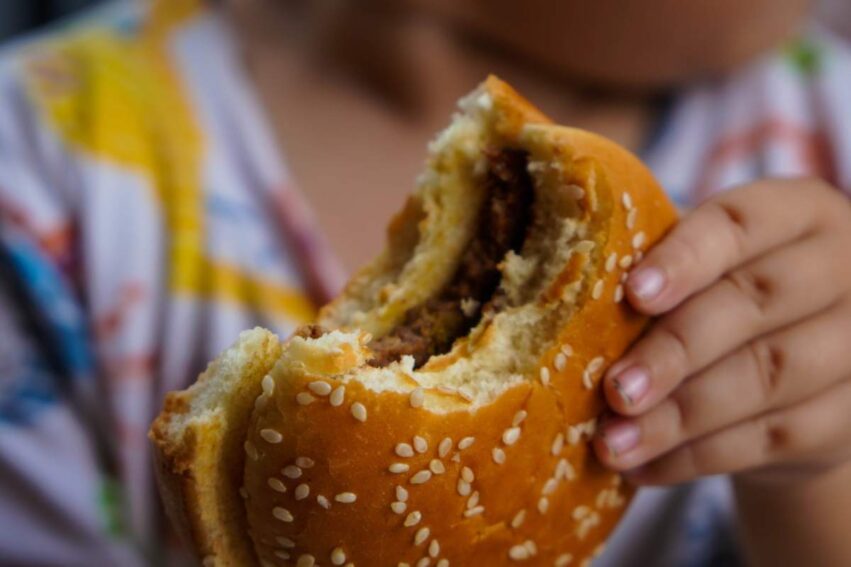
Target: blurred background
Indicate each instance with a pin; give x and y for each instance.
(18, 16)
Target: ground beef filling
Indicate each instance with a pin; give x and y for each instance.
(431, 328)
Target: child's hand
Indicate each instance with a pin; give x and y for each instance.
(749, 367)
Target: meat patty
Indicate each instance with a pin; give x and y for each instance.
(431, 328)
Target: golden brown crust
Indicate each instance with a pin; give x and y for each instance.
(519, 483)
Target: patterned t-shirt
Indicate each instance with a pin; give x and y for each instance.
(146, 218)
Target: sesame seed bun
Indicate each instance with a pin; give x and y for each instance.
(307, 452)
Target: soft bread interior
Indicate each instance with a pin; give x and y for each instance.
(200, 435)
(541, 284)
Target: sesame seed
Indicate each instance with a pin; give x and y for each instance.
(465, 393)
(443, 563)
(567, 350)
(560, 362)
(519, 417)
(545, 376)
(625, 262)
(580, 512)
(596, 364)
(574, 434)
(268, 385)
(421, 535)
(638, 240)
(291, 471)
(337, 396)
(563, 560)
(282, 514)
(587, 381)
(306, 561)
(467, 474)
(320, 387)
(424, 562)
(397, 468)
(276, 484)
(285, 542)
(420, 444)
(626, 199)
(543, 505)
(518, 519)
(625, 275)
(639, 256)
(575, 191)
(401, 494)
(473, 500)
(399, 507)
(260, 401)
(558, 445)
(464, 487)
(302, 491)
(404, 450)
(417, 398)
(447, 389)
(611, 261)
(631, 218)
(413, 519)
(346, 497)
(549, 486)
(597, 291)
(518, 553)
(436, 466)
(475, 511)
(338, 556)
(619, 293)
(434, 548)
(530, 545)
(304, 398)
(305, 462)
(421, 477)
(282, 555)
(498, 455)
(251, 450)
(466, 443)
(444, 447)
(511, 435)
(359, 411)
(584, 246)
(324, 502)
(456, 458)
(271, 436)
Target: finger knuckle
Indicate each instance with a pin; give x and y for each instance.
(768, 362)
(777, 437)
(734, 223)
(757, 290)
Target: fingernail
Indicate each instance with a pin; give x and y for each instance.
(646, 283)
(621, 437)
(632, 384)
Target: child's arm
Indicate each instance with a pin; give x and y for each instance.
(805, 523)
(748, 371)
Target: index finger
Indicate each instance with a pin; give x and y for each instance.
(720, 235)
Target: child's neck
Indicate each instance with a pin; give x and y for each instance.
(418, 66)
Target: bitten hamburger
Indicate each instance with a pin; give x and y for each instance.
(439, 411)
